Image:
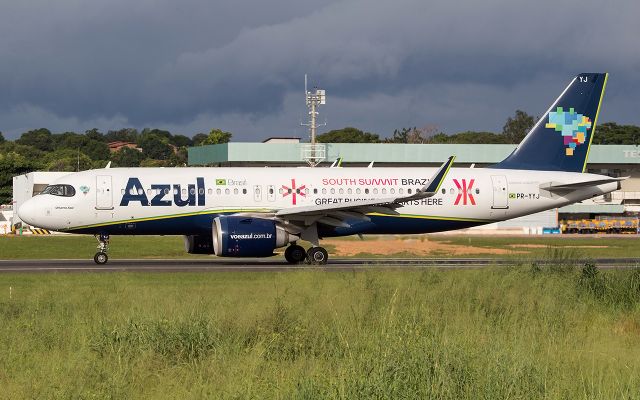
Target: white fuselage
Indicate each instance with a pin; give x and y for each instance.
(166, 200)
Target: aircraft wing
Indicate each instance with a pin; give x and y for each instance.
(336, 214)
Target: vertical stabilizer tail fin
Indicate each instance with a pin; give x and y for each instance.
(561, 139)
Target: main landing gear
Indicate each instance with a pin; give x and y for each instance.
(296, 254)
(317, 255)
(103, 246)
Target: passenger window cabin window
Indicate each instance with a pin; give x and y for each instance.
(218, 191)
(392, 190)
(166, 191)
(192, 191)
(184, 191)
(315, 191)
(210, 191)
(358, 191)
(444, 191)
(121, 191)
(477, 191)
(227, 191)
(324, 191)
(201, 191)
(366, 191)
(341, 191)
(451, 191)
(235, 191)
(409, 191)
(244, 191)
(349, 191)
(400, 191)
(384, 191)
(333, 191)
(375, 191)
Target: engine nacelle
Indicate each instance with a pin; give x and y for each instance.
(198, 244)
(237, 236)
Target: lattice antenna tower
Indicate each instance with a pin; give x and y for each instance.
(313, 154)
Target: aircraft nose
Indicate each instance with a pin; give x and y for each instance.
(27, 212)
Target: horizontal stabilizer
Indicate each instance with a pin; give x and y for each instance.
(555, 186)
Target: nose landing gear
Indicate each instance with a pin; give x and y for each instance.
(103, 246)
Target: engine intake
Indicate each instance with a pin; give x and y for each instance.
(237, 236)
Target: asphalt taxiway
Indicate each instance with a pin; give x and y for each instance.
(271, 265)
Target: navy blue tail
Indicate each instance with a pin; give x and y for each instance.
(561, 139)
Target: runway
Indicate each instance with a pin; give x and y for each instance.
(273, 265)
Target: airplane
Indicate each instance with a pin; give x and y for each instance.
(250, 212)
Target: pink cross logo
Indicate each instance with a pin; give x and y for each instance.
(293, 191)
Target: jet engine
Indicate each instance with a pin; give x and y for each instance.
(238, 236)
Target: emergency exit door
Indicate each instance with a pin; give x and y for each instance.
(104, 193)
(500, 192)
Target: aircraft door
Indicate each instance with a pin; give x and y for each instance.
(271, 193)
(257, 193)
(104, 193)
(500, 192)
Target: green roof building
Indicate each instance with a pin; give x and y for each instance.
(614, 160)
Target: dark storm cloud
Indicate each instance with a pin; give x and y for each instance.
(193, 65)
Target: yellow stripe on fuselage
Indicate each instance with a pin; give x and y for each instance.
(226, 211)
(169, 216)
(432, 217)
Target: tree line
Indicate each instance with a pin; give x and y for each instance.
(42, 150)
(513, 131)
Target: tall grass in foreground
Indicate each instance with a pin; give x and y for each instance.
(492, 333)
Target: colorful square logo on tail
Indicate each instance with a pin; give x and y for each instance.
(572, 126)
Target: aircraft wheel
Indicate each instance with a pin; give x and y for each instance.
(295, 254)
(101, 258)
(317, 255)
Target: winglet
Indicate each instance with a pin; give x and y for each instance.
(436, 181)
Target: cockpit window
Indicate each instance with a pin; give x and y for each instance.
(60, 190)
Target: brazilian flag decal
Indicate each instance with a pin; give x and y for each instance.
(512, 195)
(221, 182)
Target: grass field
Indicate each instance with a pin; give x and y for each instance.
(522, 247)
(518, 333)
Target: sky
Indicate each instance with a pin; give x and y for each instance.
(192, 65)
